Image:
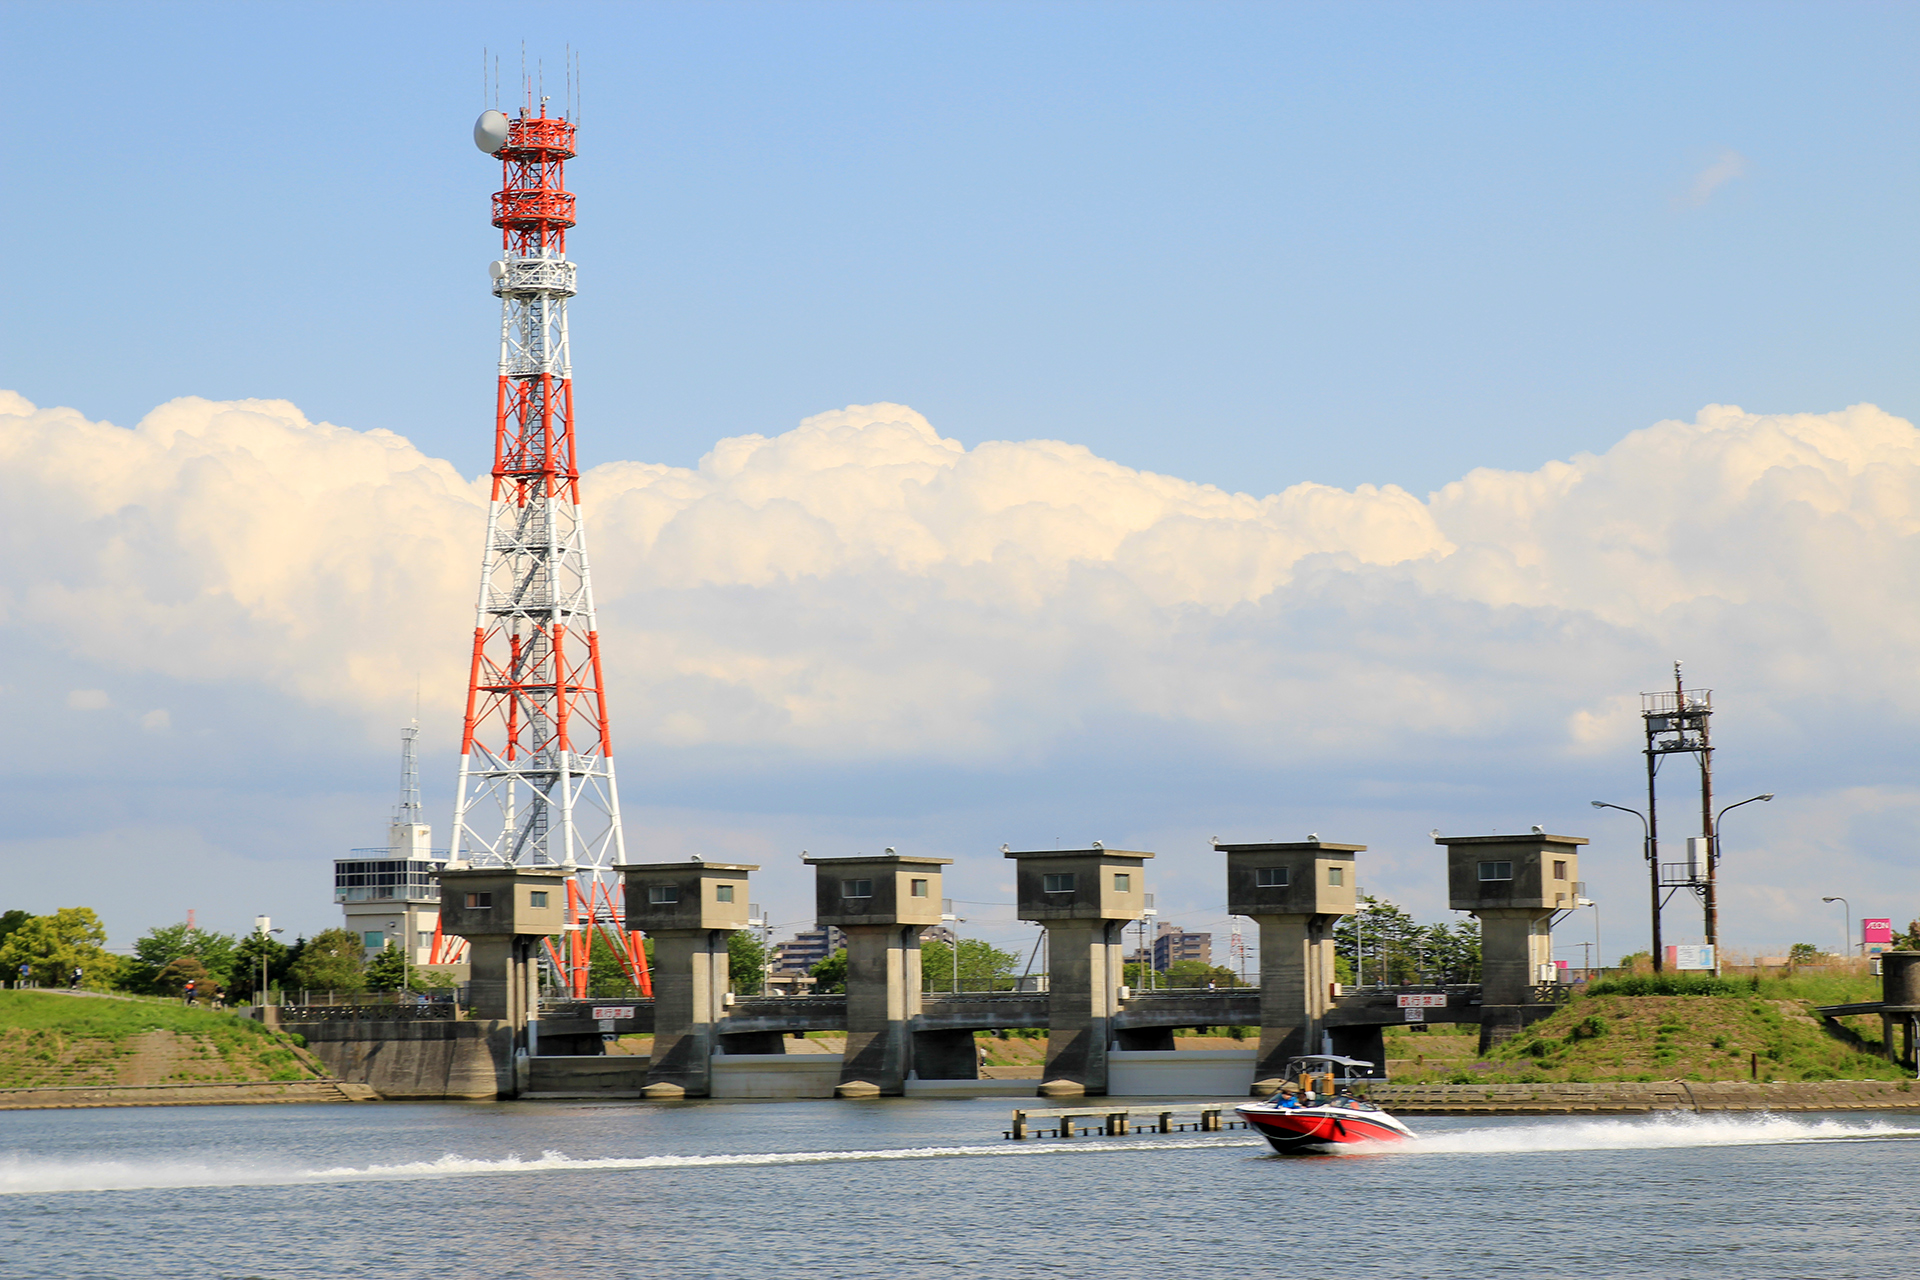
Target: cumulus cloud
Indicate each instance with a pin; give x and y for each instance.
(861, 585)
(860, 589)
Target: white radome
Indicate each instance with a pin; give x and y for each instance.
(490, 131)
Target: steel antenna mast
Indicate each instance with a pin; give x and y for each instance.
(1679, 723)
(536, 782)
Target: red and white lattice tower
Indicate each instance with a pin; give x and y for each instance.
(536, 756)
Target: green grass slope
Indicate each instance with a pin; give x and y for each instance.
(1612, 1037)
(50, 1038)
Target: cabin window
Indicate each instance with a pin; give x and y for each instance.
(1336, 875)
(1123, 882)
(1559, 870)
(536, 897)
(663, 894)
(1271, 878)
(479, 902)
(723, 893)
(856, 888)
(1062, 883)
(918, 888)
(1496, 871)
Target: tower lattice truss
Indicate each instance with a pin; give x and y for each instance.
(536, 759)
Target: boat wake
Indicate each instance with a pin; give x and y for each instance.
(21, 1175)
(1650, 1134)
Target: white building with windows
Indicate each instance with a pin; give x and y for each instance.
(393, 894)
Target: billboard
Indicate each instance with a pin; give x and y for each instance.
(1690, 956)
(1880, 931)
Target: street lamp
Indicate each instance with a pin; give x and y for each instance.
(1593, 970)
(948, 918)
(1653, 872)
(1846, 923)
(263, 926)
(405, 977)
(757, 919)
(1715, 833)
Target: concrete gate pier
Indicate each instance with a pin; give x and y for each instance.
(1515, 885)
(503, 913)
(1296, 893)
(1084, 897)
(881, 903)
(1900, 1005)
(689, 909)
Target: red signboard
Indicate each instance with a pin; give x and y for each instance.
(1880, 931)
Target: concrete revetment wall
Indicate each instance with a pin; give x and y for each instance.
(442, 1059)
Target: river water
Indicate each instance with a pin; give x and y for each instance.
(909, 1189)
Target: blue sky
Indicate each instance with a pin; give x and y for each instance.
(1240, 246)
(1248, 245)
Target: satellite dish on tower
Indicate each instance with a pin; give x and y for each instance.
(490, 131)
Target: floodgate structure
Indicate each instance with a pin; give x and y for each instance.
(1102, 1038)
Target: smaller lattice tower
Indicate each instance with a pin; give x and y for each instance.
(1679, 723)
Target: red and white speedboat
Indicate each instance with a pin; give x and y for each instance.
(1315, 1122)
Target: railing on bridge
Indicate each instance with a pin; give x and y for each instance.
(421, 1011)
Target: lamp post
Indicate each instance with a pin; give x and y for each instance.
(1147, 971)
(405, 977)
(757, 919)
(1846, 924)
(1713, 899)
(948, 918)
(1597, 952)
(263, 926)
(1360, 914)
(1653, 872)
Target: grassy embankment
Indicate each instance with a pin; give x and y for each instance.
(1618, 1033)
(50, 1039)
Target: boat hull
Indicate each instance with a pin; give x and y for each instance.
(1297, 1129)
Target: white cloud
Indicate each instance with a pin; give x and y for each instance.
(860, 592)
(1725, 167)
(89, 700)
(860, 586)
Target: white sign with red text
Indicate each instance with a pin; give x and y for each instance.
(1433, 1000)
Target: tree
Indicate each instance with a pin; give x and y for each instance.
(52, 947)
(247, 958)
(746, 961)
(181, 970)
(389, 971)
(1453, 951)
(1804, 953)
(1196, 973)
(333, 960)
(1908, 941)
(160, 947)
(607, 974)
(983, 966)
(1398, 949)
(830, 975)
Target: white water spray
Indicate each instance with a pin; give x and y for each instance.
(28, 1176)
(1662, 1132)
